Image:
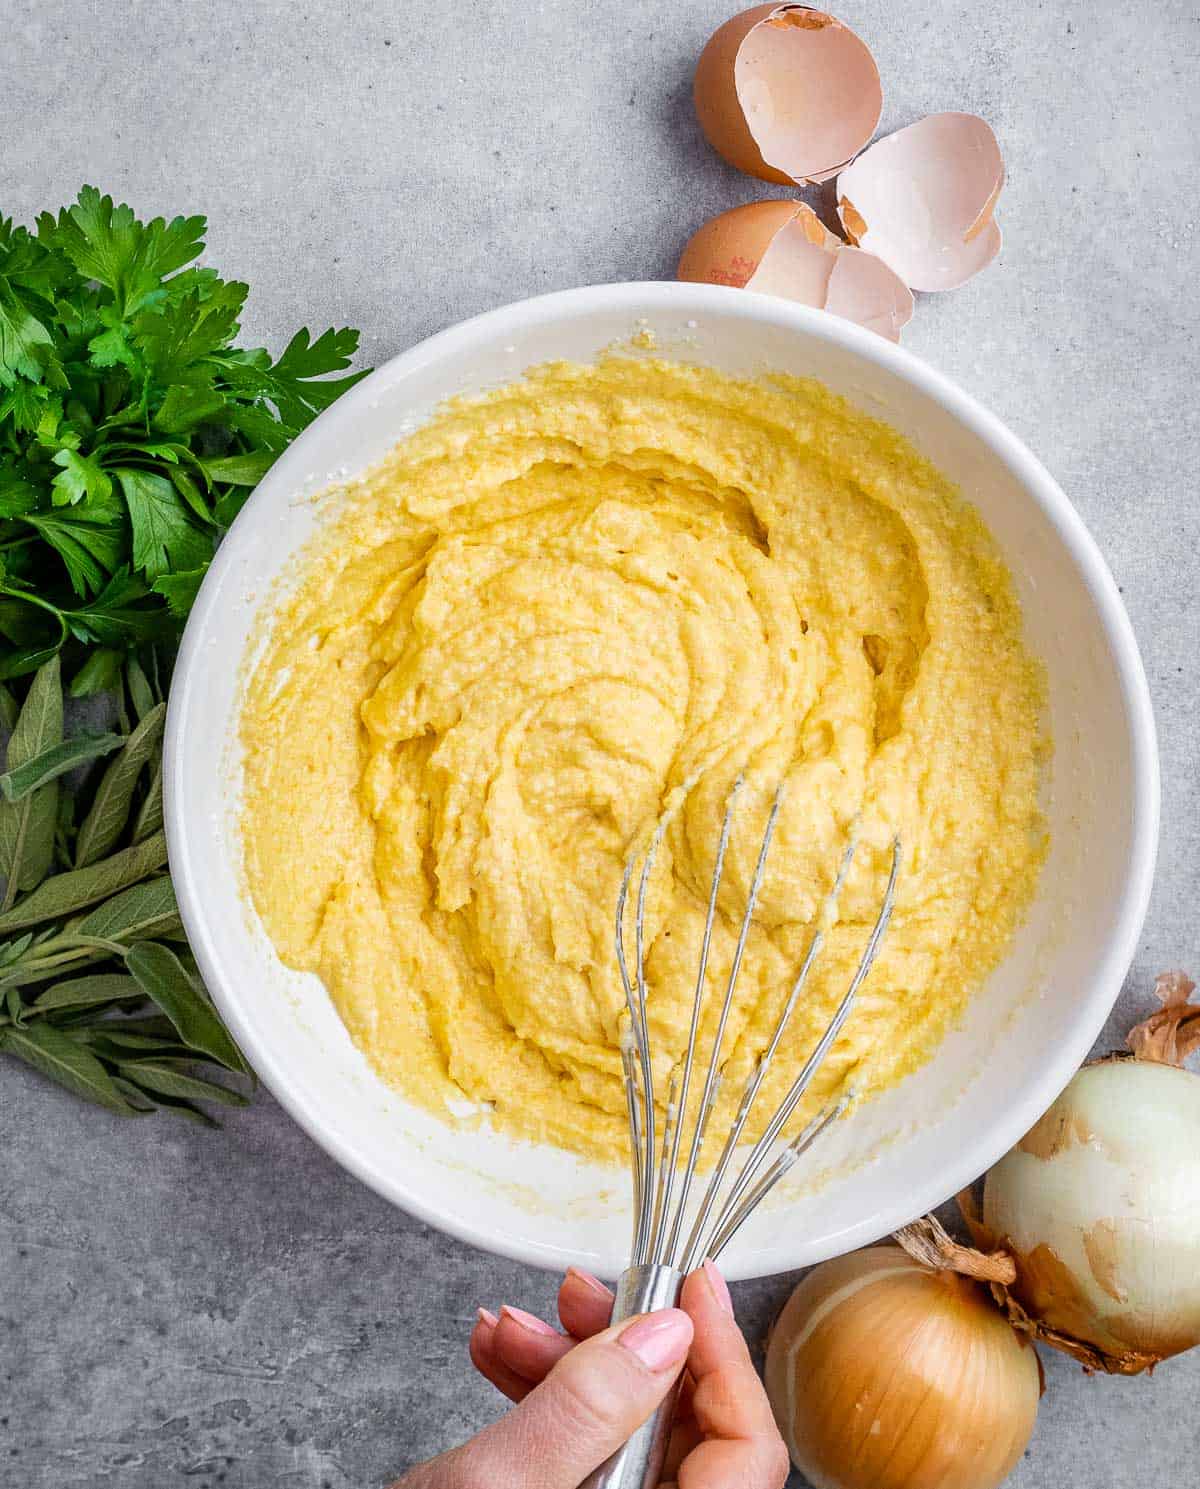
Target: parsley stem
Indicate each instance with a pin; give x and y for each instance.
(30, 598)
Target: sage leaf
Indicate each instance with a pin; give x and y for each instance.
(8, 709)
(150, 814)
(120, 1047)
(150, 1026)
(140, 691)
(165, 980)
(76, 1019)
(183, 1108)
(109, 812)
(63, 894)
(169, 1078)
(57, 761)
(141, 1103)
(36, 971)
(160, 674)
(134, 1046)
(27, 827)
(87, 992)
(58, 1056)
(13, 951)
(142, 911)
(64, 831)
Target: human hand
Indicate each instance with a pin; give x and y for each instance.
(583, 1392)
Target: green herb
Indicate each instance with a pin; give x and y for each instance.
(65, 1060)
(84, 955)
(25, 779)
(102, 827)
(132, 429)
(27, 826)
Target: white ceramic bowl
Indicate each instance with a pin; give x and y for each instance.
(1023, 1036)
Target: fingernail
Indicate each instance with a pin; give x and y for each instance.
(526, 1320)
(659, 1340)
(486, 1316)
(591, 1282)
(718, 1286)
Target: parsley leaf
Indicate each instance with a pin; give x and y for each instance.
(180, 589)
(295, 386)
(81, 475)
(132, 427)
(164, 535)
(115, 617)
(109, 245)
(90, 538)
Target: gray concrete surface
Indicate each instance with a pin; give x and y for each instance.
(186, 1308)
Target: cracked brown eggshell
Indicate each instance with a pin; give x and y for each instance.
(787, 93)
(864, 290)
(922, 200)
(729, 248)
(784, 249)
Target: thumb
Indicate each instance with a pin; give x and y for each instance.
(592, 1402)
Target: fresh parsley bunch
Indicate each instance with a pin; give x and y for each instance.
(131, 430)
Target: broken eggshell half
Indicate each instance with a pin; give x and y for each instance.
(787, 93)
(784, 249)
(922, 200)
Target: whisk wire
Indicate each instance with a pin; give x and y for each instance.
(661, 1195)
(629, 1070)
(661, 1192)
(735, 967)
(631, 1042)
(799, 1087)
(672, 1240)
(763, 1063)
(796, 1149)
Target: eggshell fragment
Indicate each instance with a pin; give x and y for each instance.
(798, 262)
(922, 200)
(863, 289)
(784, 249)
(787, 93)
(730, 248)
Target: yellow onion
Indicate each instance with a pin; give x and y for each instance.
(886, 1372)
(1099, 1204)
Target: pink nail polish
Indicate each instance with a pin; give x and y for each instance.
(593, 1283)
(718, 1286)
(486, 1316)
(659, 1340)
(527, 1321)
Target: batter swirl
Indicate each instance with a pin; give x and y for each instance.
(544, 612)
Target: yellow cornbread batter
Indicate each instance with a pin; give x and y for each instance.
(550, 608)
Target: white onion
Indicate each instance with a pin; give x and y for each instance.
(1099, 1206)
(884, 1374)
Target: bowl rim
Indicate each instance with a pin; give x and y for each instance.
(638, 298)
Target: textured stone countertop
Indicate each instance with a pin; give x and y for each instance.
(189, 1308)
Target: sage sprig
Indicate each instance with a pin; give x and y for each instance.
(91, 993)
(27, 827)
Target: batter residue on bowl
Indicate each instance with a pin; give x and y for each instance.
(551, 606)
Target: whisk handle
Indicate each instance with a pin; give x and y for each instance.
(639, 1463)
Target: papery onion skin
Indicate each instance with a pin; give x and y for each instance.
(885, 1375)
(1099, 1205)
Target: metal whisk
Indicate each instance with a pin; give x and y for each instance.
(666, 1247)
